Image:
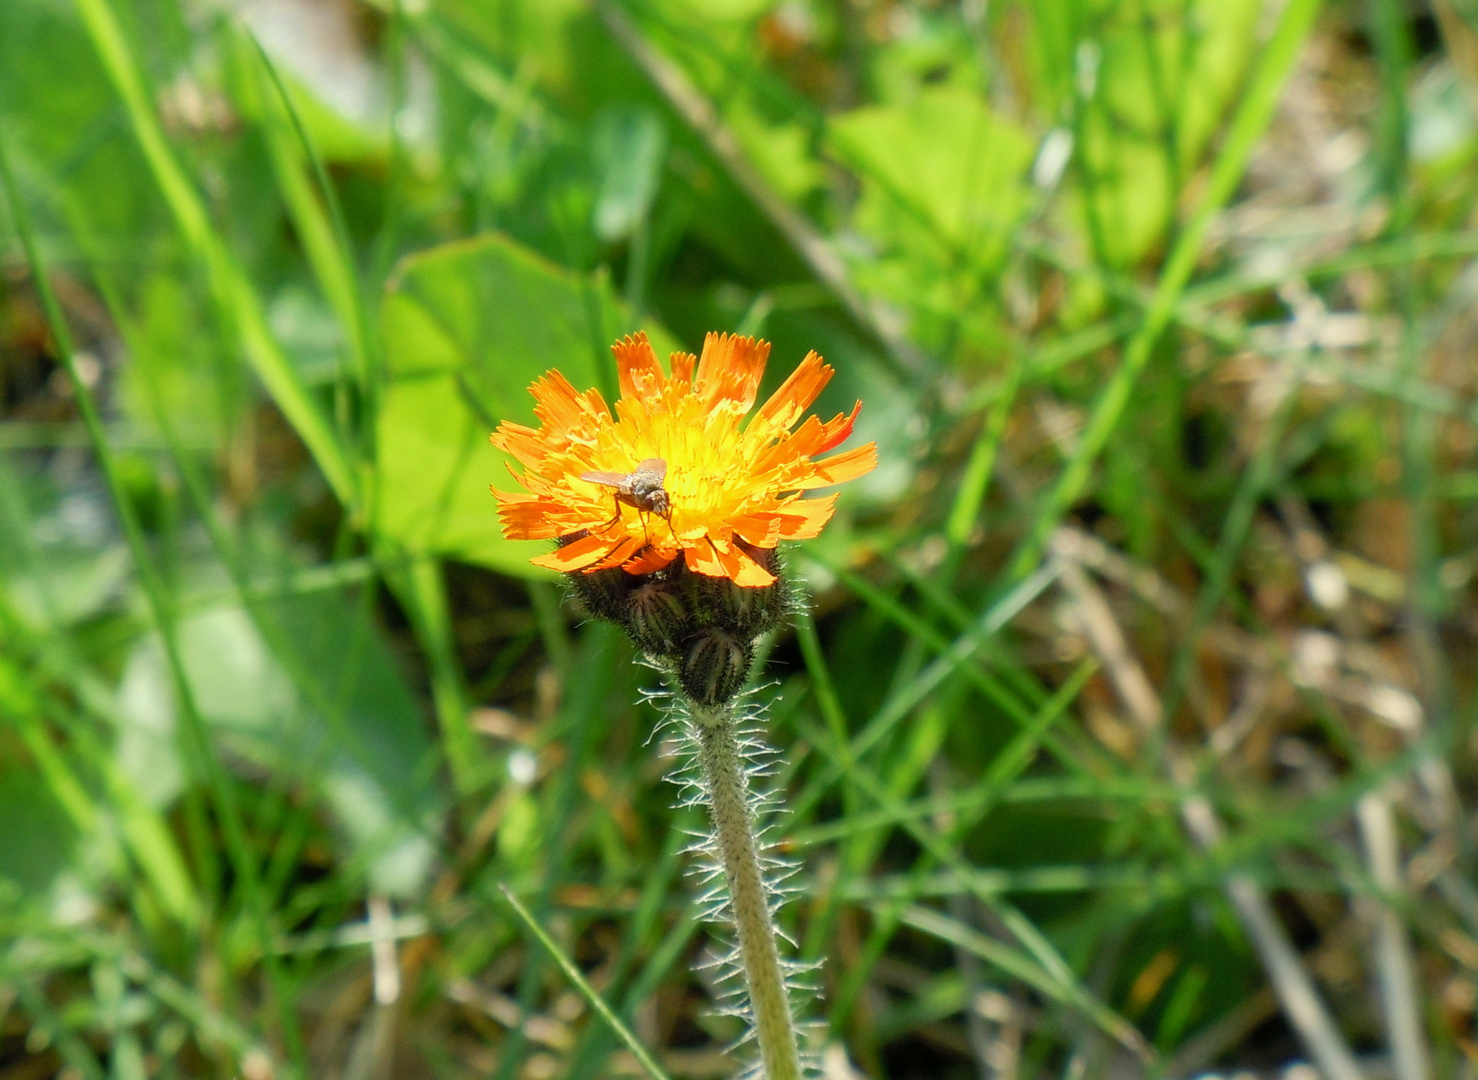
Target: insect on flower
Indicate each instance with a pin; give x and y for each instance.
(641, 488)
(727, 479)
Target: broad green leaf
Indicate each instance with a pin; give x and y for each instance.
(942, 189)
(39, 837)
(543, 35)
(1156, 80)
(781, 152)
(178, 368)
(61, 118)
(318, 700)
(720, 11)
(467, 328)
(946, 160)
(629, 146)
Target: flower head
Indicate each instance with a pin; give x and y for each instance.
(682, 468)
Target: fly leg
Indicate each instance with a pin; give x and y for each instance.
(616, 500)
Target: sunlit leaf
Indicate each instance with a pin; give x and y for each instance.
(942, 189)
(318, 701)
(467, 328)
(39, 838)
(629, 145)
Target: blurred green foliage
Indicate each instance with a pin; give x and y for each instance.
(1184, 283)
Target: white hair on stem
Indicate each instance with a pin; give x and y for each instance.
(743, 882)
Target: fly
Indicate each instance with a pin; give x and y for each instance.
(641, 488)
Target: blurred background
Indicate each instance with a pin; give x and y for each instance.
(1131, 729)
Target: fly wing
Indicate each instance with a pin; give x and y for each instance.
(654, 467)
(610, 479)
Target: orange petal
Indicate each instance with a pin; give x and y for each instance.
(648, 561)
(636, 365)
(839, 468)
(575, 556)
(619, 554)
(681, 364)
(561, 407)
(730, 369)
(836, 430)
(743, 570)
(761, 530)
(524, 443)
(802, 519)
(794, 447)
(702, 558)
(797, 392)
(527, 517)
(811, 438)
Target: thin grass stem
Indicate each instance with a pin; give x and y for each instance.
(1252, 118)
(587, 991)
(233, 292)
(196, 738)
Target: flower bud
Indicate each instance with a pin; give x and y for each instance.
(715, 666)
(703, 627)
(745, 612)
(656, 616)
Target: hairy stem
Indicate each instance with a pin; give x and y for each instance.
(727, 784)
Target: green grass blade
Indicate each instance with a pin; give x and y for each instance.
(425, 593)
(1043, 953)
(1251, 120)
(75, 1051)
(325, 233)
(233, 293)
(197, 740)
(971, 494)
(588, 992)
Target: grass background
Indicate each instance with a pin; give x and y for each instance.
(1136, 695)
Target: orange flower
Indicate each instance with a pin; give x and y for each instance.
(730, 485)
